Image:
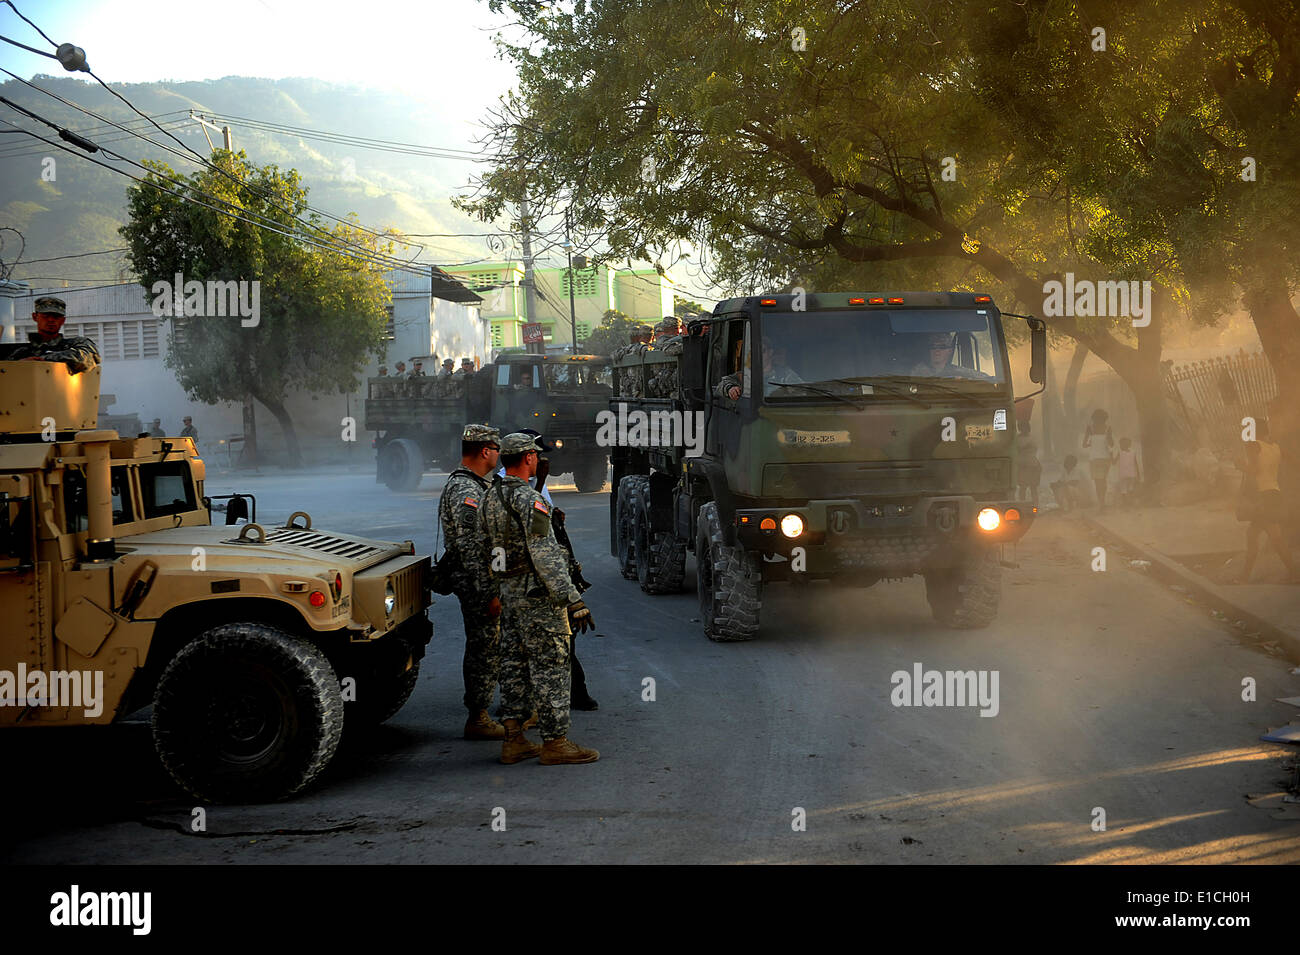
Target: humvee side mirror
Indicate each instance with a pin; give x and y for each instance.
(1037, 350)
(694, 355)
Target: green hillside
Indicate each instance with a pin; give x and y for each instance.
(81, 209)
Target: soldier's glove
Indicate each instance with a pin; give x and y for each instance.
(580, 619)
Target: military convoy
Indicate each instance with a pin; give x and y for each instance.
(253, 644)
(870, 437)
(418, 421)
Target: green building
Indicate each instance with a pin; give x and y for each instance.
(641, 294)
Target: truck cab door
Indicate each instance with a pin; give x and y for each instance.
(729, 354)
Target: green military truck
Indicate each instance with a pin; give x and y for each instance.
(253, 644)
(418, 421)
(852, 437)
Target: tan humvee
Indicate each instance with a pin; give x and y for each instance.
(117, 592)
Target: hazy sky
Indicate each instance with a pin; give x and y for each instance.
(439, 51)
(425, 50)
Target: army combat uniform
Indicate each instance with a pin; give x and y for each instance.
(459, 513)
(537, 595)
(79, 354)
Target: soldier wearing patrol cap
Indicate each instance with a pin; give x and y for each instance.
(540, 608)
(47, 344)
(459, 515)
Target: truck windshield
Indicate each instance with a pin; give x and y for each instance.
(573, 378)
(842, 351)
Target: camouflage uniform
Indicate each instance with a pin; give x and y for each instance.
(459, 513)
(79, 354)
(536, 591)
(665, 383)
(726, 383)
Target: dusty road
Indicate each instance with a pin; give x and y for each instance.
(1113, 692)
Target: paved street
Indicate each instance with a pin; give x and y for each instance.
(1114, 692)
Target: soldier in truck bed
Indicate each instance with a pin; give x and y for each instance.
(47, 344)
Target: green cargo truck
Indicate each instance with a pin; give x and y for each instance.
(852, 437)
(418, 421)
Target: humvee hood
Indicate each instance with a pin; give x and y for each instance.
(284, 546)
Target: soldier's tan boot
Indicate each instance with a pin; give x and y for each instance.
(516, 746)
(556, 752)
(481, 726)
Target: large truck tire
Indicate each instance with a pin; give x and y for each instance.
(728, 582)
(631, 490)
(589, 473)
(401, 462)
(247, 713)
(966, 597)
(660, 557)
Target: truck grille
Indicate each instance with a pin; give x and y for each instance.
(883, 553)
(336, 546)
(406, 585)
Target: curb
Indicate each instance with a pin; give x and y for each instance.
(1166, 569)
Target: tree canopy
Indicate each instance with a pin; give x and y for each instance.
(322, 305)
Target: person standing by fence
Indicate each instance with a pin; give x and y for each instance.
(1265, 508)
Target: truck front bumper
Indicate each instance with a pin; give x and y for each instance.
(897, 536)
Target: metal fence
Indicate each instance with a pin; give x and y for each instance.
(1208, 399)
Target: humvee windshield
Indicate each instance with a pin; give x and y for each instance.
(166, 488)
(841, 351)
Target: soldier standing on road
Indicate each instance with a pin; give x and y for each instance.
(459, 512)
(189, 431)
(540, 608)
(48, 344)
(155, 428)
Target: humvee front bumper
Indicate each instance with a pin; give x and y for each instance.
(899, 534)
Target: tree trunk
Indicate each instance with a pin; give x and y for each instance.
(1149, 392)
(1069, 396)
(292, 453)
(248, 453)
(1278, 326)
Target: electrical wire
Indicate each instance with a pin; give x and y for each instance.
(374, 260)
(11, 6)
(419, 248)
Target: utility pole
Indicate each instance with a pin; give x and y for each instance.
(568, 250)
(530, 278)
(248, 455)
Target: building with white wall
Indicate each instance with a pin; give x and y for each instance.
(431, 314)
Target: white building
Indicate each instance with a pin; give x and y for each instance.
(432, 314)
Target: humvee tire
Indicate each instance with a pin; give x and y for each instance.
(630, 490)
(659, 556)
(383, 684)
(589, 473)
(966, 597)
(728, 582)
(403, 464)
(247, 713)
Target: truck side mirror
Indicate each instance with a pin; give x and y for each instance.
(1037, 351)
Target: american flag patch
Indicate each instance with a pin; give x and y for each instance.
(471, 501)
(540, 506)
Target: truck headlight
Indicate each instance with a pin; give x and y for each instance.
(792, 526)
(989, 519)
(390, 597)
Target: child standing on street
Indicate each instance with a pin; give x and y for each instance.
(1029, 468)
(1127, 470)
(1099, 441)
(1067, 488)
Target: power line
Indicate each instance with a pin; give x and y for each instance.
(206, 163)
(30, 24)
(372, 259)
(75, 255)
(441, 152)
